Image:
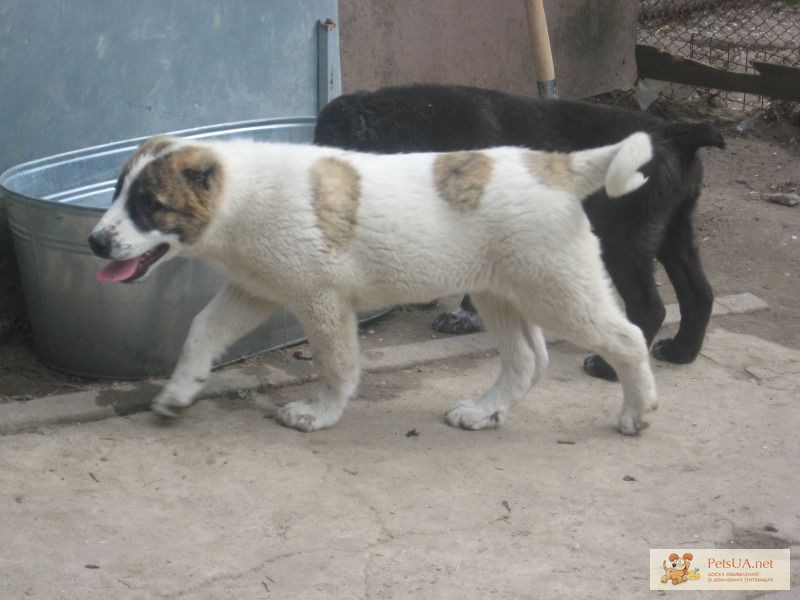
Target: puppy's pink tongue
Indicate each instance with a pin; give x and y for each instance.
(118, 270)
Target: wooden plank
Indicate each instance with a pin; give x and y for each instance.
(775, 83)
(773, 70)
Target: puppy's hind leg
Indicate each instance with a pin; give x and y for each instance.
(623, 345)
(331, 327)
(231, 314)
(634, 280)
(523, 356)
(584, 312)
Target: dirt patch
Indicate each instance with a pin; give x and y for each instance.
(747, 245)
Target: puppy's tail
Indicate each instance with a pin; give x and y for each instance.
(688, 137)
(623, 174)
(616, 167)
(685, 139)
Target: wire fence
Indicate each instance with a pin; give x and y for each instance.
(730, 34)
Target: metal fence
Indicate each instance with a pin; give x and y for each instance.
(730, 34)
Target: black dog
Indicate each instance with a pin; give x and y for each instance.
(652, 222)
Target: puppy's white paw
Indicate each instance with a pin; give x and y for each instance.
(307, 415)
(631, 422)
(467, 415)
(169, 405)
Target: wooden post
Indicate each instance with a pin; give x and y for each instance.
(540, 49)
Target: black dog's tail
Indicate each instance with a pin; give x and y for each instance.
(688, 137)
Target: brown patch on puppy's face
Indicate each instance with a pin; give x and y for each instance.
(554, 169)
(150, 147)
(461, 177)
(336, 187)
(176, 193)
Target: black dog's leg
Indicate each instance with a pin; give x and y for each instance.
(643, 306)
(464, 319)
(681, 260)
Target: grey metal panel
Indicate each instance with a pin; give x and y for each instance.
(77, 73)
(330, 69)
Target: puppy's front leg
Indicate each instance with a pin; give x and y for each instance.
(231, 314)
(523, 358)
(330, 324)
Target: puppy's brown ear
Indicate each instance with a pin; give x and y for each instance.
(198, 166)
(199, 178)
(688, 556)
(673, 557)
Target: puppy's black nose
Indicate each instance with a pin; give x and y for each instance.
(100, 243)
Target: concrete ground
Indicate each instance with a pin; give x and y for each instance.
(393, 503)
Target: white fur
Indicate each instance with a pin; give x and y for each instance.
(621, 178)
(526, 253)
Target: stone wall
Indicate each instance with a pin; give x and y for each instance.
(486, 43)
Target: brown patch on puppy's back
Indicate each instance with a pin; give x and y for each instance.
(554, 169)
(336, 187)
(178, 192)
(461, 177)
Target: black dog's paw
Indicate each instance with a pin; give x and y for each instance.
(458, 321)
(595, 366)
(669, 351)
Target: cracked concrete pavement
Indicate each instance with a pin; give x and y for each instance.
(393, 503)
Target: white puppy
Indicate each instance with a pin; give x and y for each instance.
(328, 232)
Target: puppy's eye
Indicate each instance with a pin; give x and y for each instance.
(150, 203)
(680, 562)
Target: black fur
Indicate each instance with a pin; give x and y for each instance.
(142, 207)
(652, 222)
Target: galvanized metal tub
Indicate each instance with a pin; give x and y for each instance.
(95, 329)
